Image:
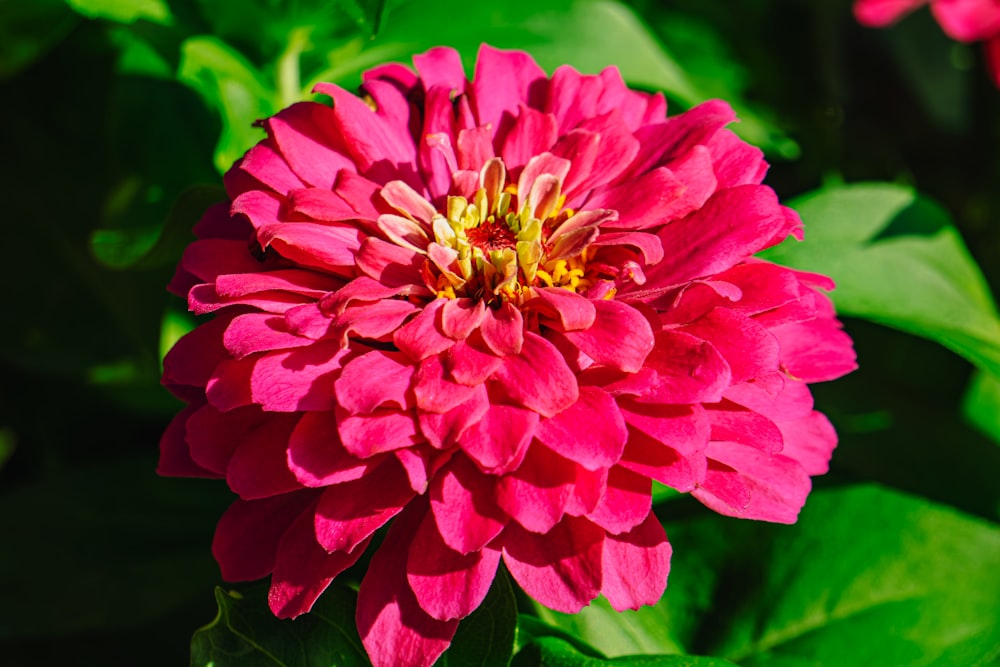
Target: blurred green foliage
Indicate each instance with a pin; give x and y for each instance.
(119, 117)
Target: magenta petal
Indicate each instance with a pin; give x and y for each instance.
(349, 513)
(538, 378)
(591, 431)
(264, 163)
(423, 335)
(668, 446)
(567, 310)
(499, 440)
(213, 436)
(636, 565)
(465, 510)
(502, 82)
(815, 351)
(736, 424)
(316, 456)
(460, 317)
(620, 337)
(446, 583)
(748, 348)
(375, 321)
(503, 329)
(395, 631)
(300, 379)
(435, 392)
(537, 493)
(383, 430)
(389, 263)
(321, 204)
(469, 363)
(626, 502)
(561, 569)
(776, 486)
(193, 359)
(689, 370)
(533, 133)
(880, 13)
(443, 430)
(373, 380)
(248, 533)
(810, 442)
(330, 247)
(258, 332)
(175, 456)
(303, 569)
(441, 66)
(258, 468)
(307, 139)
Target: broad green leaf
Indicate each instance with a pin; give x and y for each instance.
(228, 82)
(867, 577)
(485, 638)
(246, 634)
(646, 630)
(158, 245)
(897, 261)
(588, 34)
(124, 11)
(555, 652)
(370, 13)
(982, 404)
(532, 628)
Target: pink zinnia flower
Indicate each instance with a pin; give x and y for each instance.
(962, 20)
(491, 311)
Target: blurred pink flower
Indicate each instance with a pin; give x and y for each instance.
(962, 20)
(494, 310)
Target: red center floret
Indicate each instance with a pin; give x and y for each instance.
(492, 236)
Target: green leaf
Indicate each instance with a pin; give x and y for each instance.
(370, 13)
(124, 11)
(867, 577)
(646, 630)
(555, 652)
(228, 82)
(485, 638)
(982, 404)
(897, 261)
(246, 634)
(153, 246)
(587, 34)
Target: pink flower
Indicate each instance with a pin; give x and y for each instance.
(490, 312)
(962, 20)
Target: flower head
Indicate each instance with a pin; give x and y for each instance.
(488, 313)
(962, 20)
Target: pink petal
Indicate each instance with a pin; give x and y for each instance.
(460, 317)
(258, 467)
(689, 370)
(499, 440)
(626, 502)
(259, 332)
(673, 138)
(423, 335)
(736, 424)
(268, 166)
(193, 359)
(394, 629)
(441, 66)
(331, 247)
(591, 431)
(561, 569)
(475, 148)
(389, 264)
(303, 569)
(464, 507)
(968, 20)
(620, 337)
(502, 82)
(734, 161)
(776, 486)
(213, 436)
(373, 380)
(533, 133)
(299, 379)
(810, 442)
(350, 512)
(382, 430)
(668, 444)
(248, 533)
(305, 134)
(470, 362)
(503, 329)
(321, 204)
(748, 348)
(618, 148)
(880, 13)
(316, 456)
(435, 392)
(567, 310)
(448, 584)
(538, 378)
(537, 493)
(815, 351)
(636, 565)
(443, 430)
(376, 321)
(175, 456)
